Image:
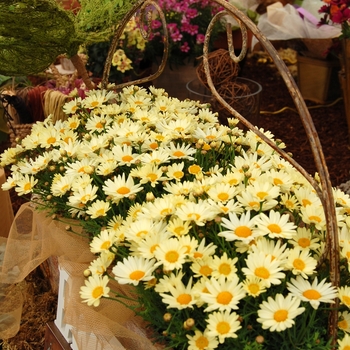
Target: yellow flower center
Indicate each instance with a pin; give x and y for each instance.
(99, 125)
(141, 233)
(51, 140)
(262, 195)
(202, 342)
(223, 327)
(305, 202)
(153, 248)
(210, 137)
(179, 129)
(274, 228)
(106, 245)
(225, 269)
(289, 204)
(127, 158)
(224, 298)
(194, 169)
(233, 182)
(243, 231)
(73, 125)
(277, 181)
(254, 204)
(94, 104)
(172, 256)
(123, 190)
(100, 212)
(304, 242)
(27, 186)
(184, 299)
(165, 212)
(205, 270)
(223, 196)
(299, 264)
(343, 324)
(193, 216)
(280, 315)
(153, 145)
(315, 218)
(136, 275)
(152, 176)
(312, 294)
(348, 255)
(346, 300)
(97, 292)
(197, 255)
(178, 174)
(262, 272)
(179, 230)
(178, 154)
(347, 347)
(254, 288)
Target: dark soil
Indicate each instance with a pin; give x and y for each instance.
(330, 123)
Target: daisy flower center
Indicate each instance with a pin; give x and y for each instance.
(299, 264)
(178, 154)
(243, 231)
(97, 292)
(197, 255)
(205, 270)
(178, 174)
(225, 269)
(152, 176)
(304, 242)
(123, 190)
(306, 202)
(179, 230)
(262, 272)
(347, 347)
(262, 195)
(99, 125)
(280, 315)
(51, 140)
(343, 324)
(224, 298)
(127, 158)
(27, 186)
(346, 300)
(348, 255)
(94, 104)
(274, 228)
(193, 216)
(100, 212)
(154, 247)
(254, 288)
(315, 218)
(312, 294)
(153, 145)
(223, 196)
(105, 245)
(194, 169)
(136, 275)
(202, 342)
(172, 256)
(184, 299)
(277, 181)
(141, 233)
(165, 212)
(223, 327)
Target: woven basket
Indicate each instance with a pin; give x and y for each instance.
(18, 132)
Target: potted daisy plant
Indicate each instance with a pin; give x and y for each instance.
(221, 241)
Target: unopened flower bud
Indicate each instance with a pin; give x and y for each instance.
(167, 317)
(52, 168)
(132, 197)
(189, 323)
(49, 197)
(87, 273)
(259, 339)
(149, 197)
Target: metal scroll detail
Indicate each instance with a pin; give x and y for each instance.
(324, 189)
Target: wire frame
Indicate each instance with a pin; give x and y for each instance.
(324, 189)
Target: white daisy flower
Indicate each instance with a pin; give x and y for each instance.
(175, 171)
(225, 267)
(103, 241)
(171, 254)
(305, 240)
(344, 321)
(180, 297)
(239, 228)
(204, 250)
(98, 209)
(178, 227)
(344, 295)
(314, 293)
(100, 264)
(120, 187)
(223, 294)
(25, 184)
(60, 187)
(254, 286)
(169, 281)
(133, 270)
(314, 215)
(181, 151)
(262, 266)
(95, 288)
(223, 325)
(275, 249)
(201, 341)
(203, 267)
(300, 262)
(278, 314)
(222, 192)
(276, 225)
(199, 212)
(124, 155)
(344, 344)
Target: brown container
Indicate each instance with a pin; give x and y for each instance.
(318, 79)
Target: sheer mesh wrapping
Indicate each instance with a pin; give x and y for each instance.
(32, 239)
